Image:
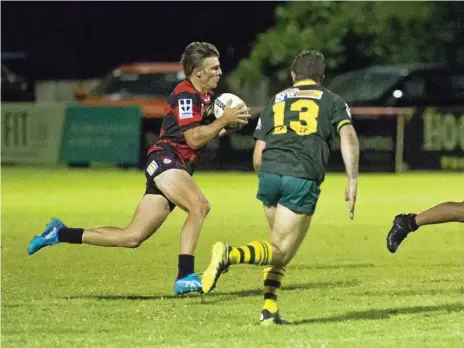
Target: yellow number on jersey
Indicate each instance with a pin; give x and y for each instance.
(307, 119)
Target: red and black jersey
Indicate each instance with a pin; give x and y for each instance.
(186, 109)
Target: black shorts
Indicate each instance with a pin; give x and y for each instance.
(161, 160)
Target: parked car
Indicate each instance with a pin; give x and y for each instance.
(144, 84)
(401, 85)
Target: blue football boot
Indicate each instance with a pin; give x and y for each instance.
(190, 283)
(48, 237)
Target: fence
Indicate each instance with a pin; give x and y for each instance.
(50, 133)
(391, 139)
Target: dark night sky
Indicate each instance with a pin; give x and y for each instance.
(87, 39)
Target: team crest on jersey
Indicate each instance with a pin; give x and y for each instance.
(206, 99)
(152, 168)
(185, 108)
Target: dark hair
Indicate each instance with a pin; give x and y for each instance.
(194, 55)
(309, 65)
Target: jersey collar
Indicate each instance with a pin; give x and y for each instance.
(305, 83)
(205, 97)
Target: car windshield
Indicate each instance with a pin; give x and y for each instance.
(362, 86)
(132, 84)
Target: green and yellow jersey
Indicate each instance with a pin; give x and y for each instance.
(298, 126)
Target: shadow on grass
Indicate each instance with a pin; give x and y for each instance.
(341, 266)
(379, 314)
(223, 295)
(418, 292)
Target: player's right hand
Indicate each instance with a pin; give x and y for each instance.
(236, 114)
(350, 195)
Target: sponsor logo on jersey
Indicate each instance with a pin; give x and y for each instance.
(152, 168)
(312, 94)
(288, 93)
(185, 108)
(206, 99)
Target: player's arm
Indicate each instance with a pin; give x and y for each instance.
(257, 154)
(260, 144)
(343, 125)
(199, 136)
(341, 119)
(350, 151)
(350, 154)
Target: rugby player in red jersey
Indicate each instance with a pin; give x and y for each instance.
(169, 168)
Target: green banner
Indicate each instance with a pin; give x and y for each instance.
(104, 134)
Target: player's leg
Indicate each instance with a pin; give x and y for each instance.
(256, 252)
(403, 224)
(180, 188)
(297, 198)
(150, 214)
(270, 211)
(441, 213)
(290, 220)
(292, 193)
(291, 223)
(289, 231)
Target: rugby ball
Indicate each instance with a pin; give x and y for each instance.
(220, 104)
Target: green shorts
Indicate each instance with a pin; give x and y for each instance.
(297, 194)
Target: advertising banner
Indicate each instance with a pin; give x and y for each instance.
(103, 134)
(377, 145)
(434, 139)
(31, 132)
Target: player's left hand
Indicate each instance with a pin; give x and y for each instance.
(350, 196)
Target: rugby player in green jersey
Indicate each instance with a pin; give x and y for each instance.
(293, 139)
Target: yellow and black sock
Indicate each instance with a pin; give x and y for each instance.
(272, 282)
(256, 253)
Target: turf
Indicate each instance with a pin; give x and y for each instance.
(343, 289)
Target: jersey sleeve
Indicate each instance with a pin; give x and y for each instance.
(341, 114)
(260, 130)
(258, 134)
(186, 107)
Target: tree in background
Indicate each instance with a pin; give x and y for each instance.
(353, 35)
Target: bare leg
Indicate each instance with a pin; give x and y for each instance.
(287, 235)
(150, 214)
(403, 224)
(182, 190)
(270, 212)
(441, 213)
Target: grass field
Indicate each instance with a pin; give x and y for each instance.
(343, 289)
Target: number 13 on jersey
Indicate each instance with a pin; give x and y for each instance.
(307, 110)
